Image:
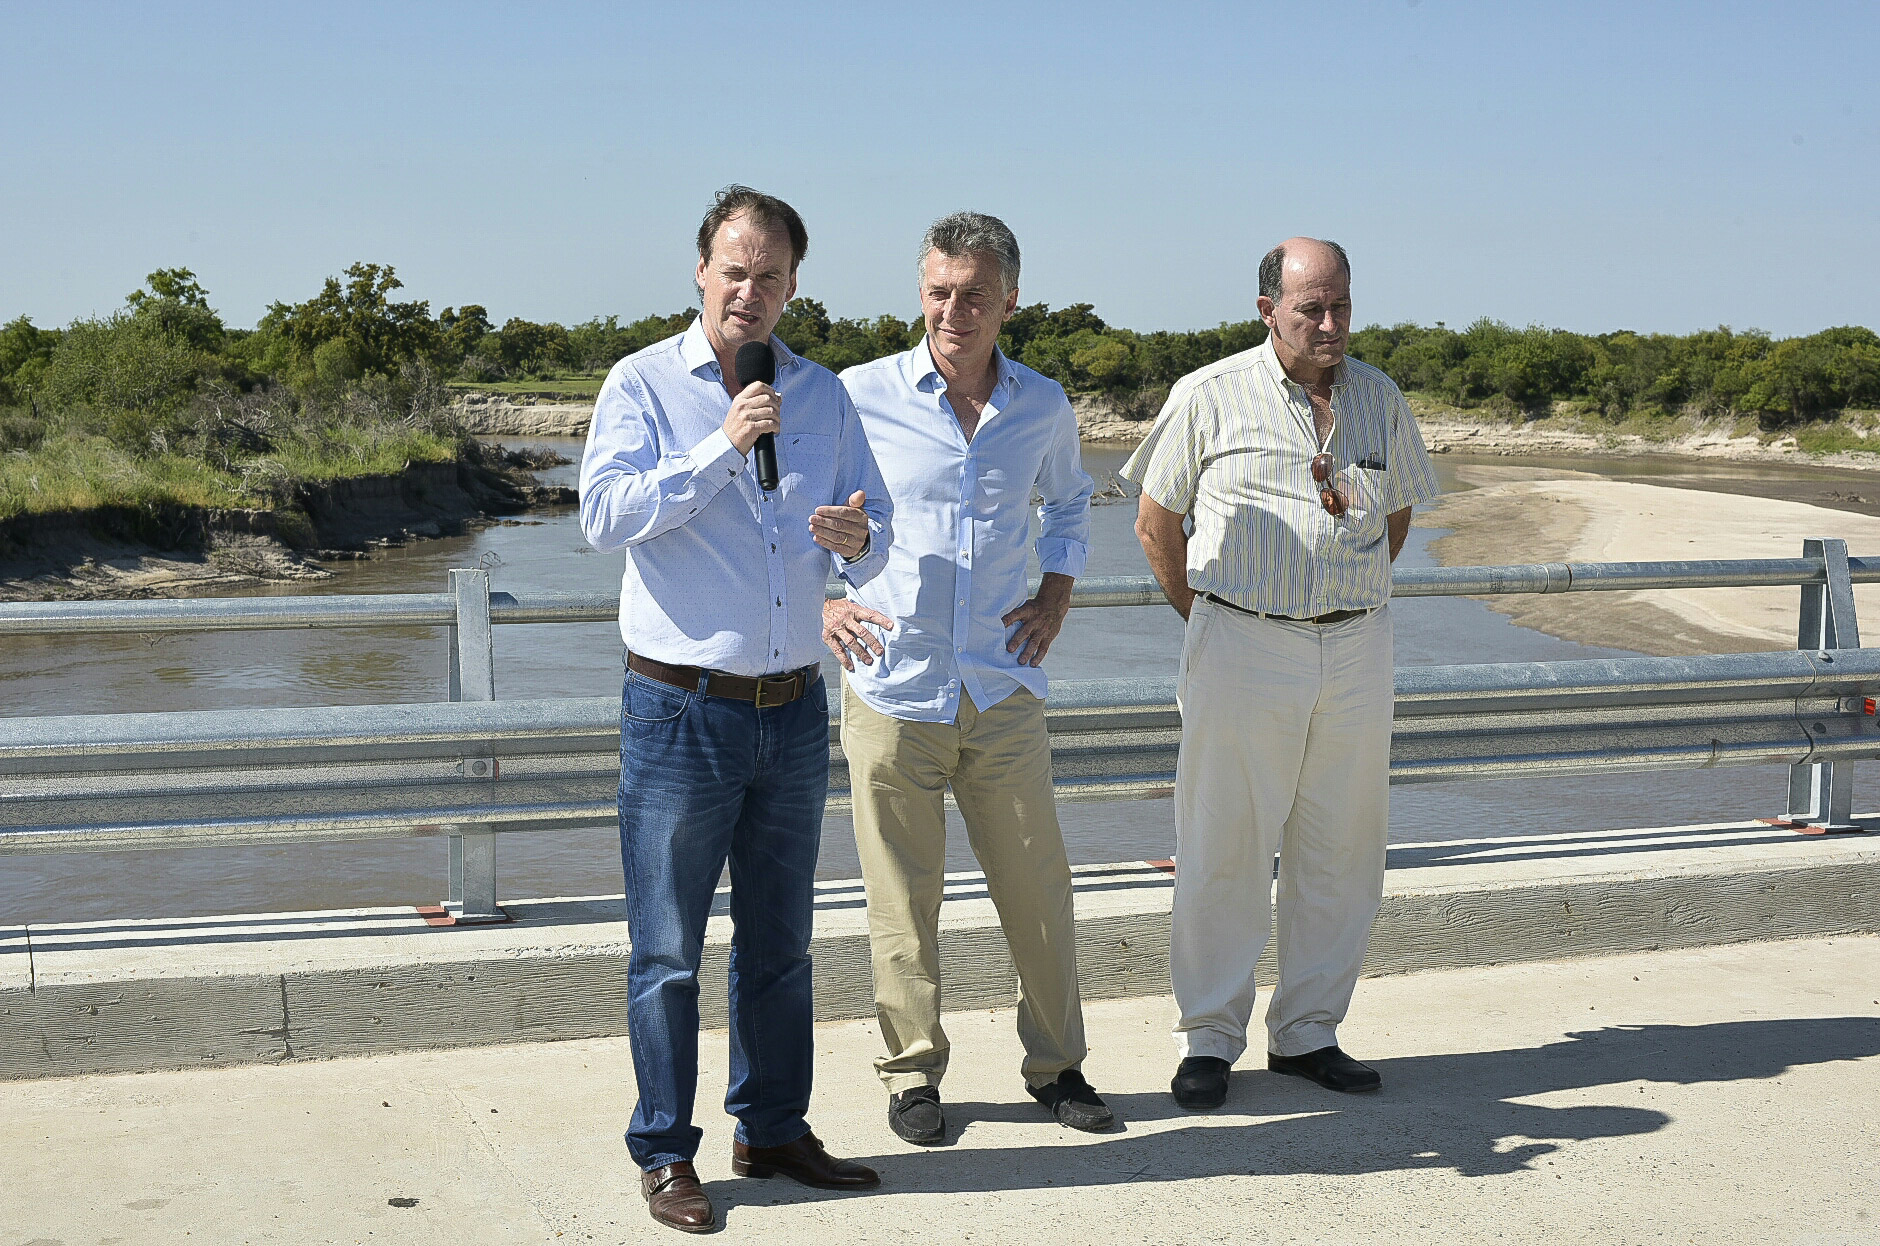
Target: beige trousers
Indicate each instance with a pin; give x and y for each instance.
(998, 763)
(1285, 748)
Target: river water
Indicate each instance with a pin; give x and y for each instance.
(545, 551)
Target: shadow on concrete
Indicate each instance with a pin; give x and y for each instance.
(1453, 1111)
(1633, 843)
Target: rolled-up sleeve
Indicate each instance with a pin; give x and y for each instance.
(1064, 515)
(634, 483)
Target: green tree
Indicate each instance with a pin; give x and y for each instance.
(378, 334)
(460, 332)
(1020, 327)
(1107, 363)
(647, 330)
(1806, 376)
(527, 348)
(894, 335)
(804, 326)
(176, 304)
(124, 363)
(25, 353)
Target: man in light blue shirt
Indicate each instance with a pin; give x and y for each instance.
(724, 726)
(948, 692)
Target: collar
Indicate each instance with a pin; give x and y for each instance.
(1340, 374)
(926, 375)
(695, 351)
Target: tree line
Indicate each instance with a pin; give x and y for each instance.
(355, 344)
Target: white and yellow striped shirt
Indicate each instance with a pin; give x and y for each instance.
(1233, 449)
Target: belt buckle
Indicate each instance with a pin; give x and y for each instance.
(786, 682)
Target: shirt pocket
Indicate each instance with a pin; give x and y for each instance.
(806, 471)
(1368, 492)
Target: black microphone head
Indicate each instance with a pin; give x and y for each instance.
(756, 361)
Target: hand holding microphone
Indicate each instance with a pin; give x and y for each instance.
(757, 411)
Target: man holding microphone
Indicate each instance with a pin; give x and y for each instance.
(724, 727)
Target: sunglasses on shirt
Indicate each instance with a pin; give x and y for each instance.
(1324, 471)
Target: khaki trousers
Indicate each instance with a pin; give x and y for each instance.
(998, 763)
(1285, 748)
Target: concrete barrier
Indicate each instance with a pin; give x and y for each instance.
(193, 992)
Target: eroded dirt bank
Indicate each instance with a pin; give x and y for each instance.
(176, 551)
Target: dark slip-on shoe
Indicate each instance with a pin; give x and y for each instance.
(676, 1199)
(1074, 1102)
(1200, 1082)
(803, 1160)
(1330, 1068)
(915, 1116)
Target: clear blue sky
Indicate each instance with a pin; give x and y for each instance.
(1591, 165)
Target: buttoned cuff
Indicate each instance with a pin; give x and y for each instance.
(716, 454)
(866, 565)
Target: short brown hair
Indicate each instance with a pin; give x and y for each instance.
(767, 211)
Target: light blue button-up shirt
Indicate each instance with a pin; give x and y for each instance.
(962, 519)
(720, 574)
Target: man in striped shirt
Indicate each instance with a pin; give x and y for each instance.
(1277, 486)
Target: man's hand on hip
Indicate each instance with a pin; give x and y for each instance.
(846, 633)
(758, 409)
(1040, 619)
(843, 529)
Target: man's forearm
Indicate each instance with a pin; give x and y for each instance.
(1397, 529)
(1170, 565)
(1166, 547)
(1055, 587)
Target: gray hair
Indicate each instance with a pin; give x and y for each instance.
(1273, 267)
(960, 234)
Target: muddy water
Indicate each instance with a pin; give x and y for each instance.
(60, 675)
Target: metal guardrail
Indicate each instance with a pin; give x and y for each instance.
(474, 767)
(440, 609)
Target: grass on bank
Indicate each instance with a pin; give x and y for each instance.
(75, 472)
(78, 472)
(218, 450)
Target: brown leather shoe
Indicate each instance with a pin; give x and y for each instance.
(676, 1199)
(805, 1161)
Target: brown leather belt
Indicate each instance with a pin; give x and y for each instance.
(762, 691)
(1330, 616)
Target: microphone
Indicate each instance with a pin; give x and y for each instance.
(756, 361)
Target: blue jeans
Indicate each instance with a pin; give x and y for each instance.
(704, 780)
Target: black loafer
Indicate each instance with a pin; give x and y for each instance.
(1074, 1102)
(915, 1116)
(1330, 1068)
(1200, 1082)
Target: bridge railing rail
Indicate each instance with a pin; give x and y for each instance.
(473, 767)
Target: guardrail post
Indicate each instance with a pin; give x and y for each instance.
(472, 899)
(1821, 794)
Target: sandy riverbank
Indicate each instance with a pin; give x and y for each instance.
(1676, 498)
(1515, 513)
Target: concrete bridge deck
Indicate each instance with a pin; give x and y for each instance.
(143, 994)
(1714, 1095)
